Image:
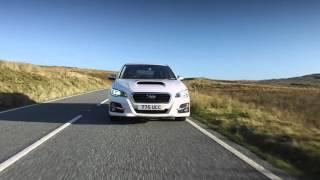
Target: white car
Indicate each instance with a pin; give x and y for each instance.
(148, 90)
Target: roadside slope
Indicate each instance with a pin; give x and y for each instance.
(278, 122)
(22, 83)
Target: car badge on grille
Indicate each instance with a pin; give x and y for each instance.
(151, 96)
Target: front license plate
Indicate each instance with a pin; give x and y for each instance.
(149, 107)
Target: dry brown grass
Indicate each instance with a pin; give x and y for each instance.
(41, 83)
(281, 123)
(295, 104)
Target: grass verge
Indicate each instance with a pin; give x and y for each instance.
(22, 84)
(289, 143)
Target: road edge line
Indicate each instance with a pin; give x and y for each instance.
(33, 146)
(237, 153)
(102, 102)
(53, 100)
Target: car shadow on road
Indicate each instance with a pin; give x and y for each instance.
(62, 112)
(101, 116)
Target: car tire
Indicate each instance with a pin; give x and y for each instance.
(180, 118)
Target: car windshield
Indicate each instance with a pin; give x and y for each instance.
(147, 72)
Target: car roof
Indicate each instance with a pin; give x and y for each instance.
(146, 64)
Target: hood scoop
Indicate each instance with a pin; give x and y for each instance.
(150, 83)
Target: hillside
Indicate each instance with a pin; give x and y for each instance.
(275, 119)
(22, 83)
(302, 81)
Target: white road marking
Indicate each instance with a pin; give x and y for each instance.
(102, 102)
(241, 156)
(31, 105)
(33, 146)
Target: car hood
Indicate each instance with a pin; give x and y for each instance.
(156, 85)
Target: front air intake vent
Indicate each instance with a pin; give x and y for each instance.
(152, 112)
(151, 83)
(151, 97)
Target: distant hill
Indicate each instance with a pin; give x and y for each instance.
(310, 80)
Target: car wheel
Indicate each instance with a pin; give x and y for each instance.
(180, 118)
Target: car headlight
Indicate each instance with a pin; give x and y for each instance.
(116, 92)
(183, 94)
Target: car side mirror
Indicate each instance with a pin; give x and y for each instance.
(112, 77)
(180, 78)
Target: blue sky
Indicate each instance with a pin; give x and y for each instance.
(249, 39)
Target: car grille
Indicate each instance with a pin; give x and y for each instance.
(151, 97)
(152, 112)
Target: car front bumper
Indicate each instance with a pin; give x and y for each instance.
(129, 108)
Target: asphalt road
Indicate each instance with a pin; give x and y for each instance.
(93, 147)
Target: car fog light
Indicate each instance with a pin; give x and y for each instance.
(116, 107)
(184, 108)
